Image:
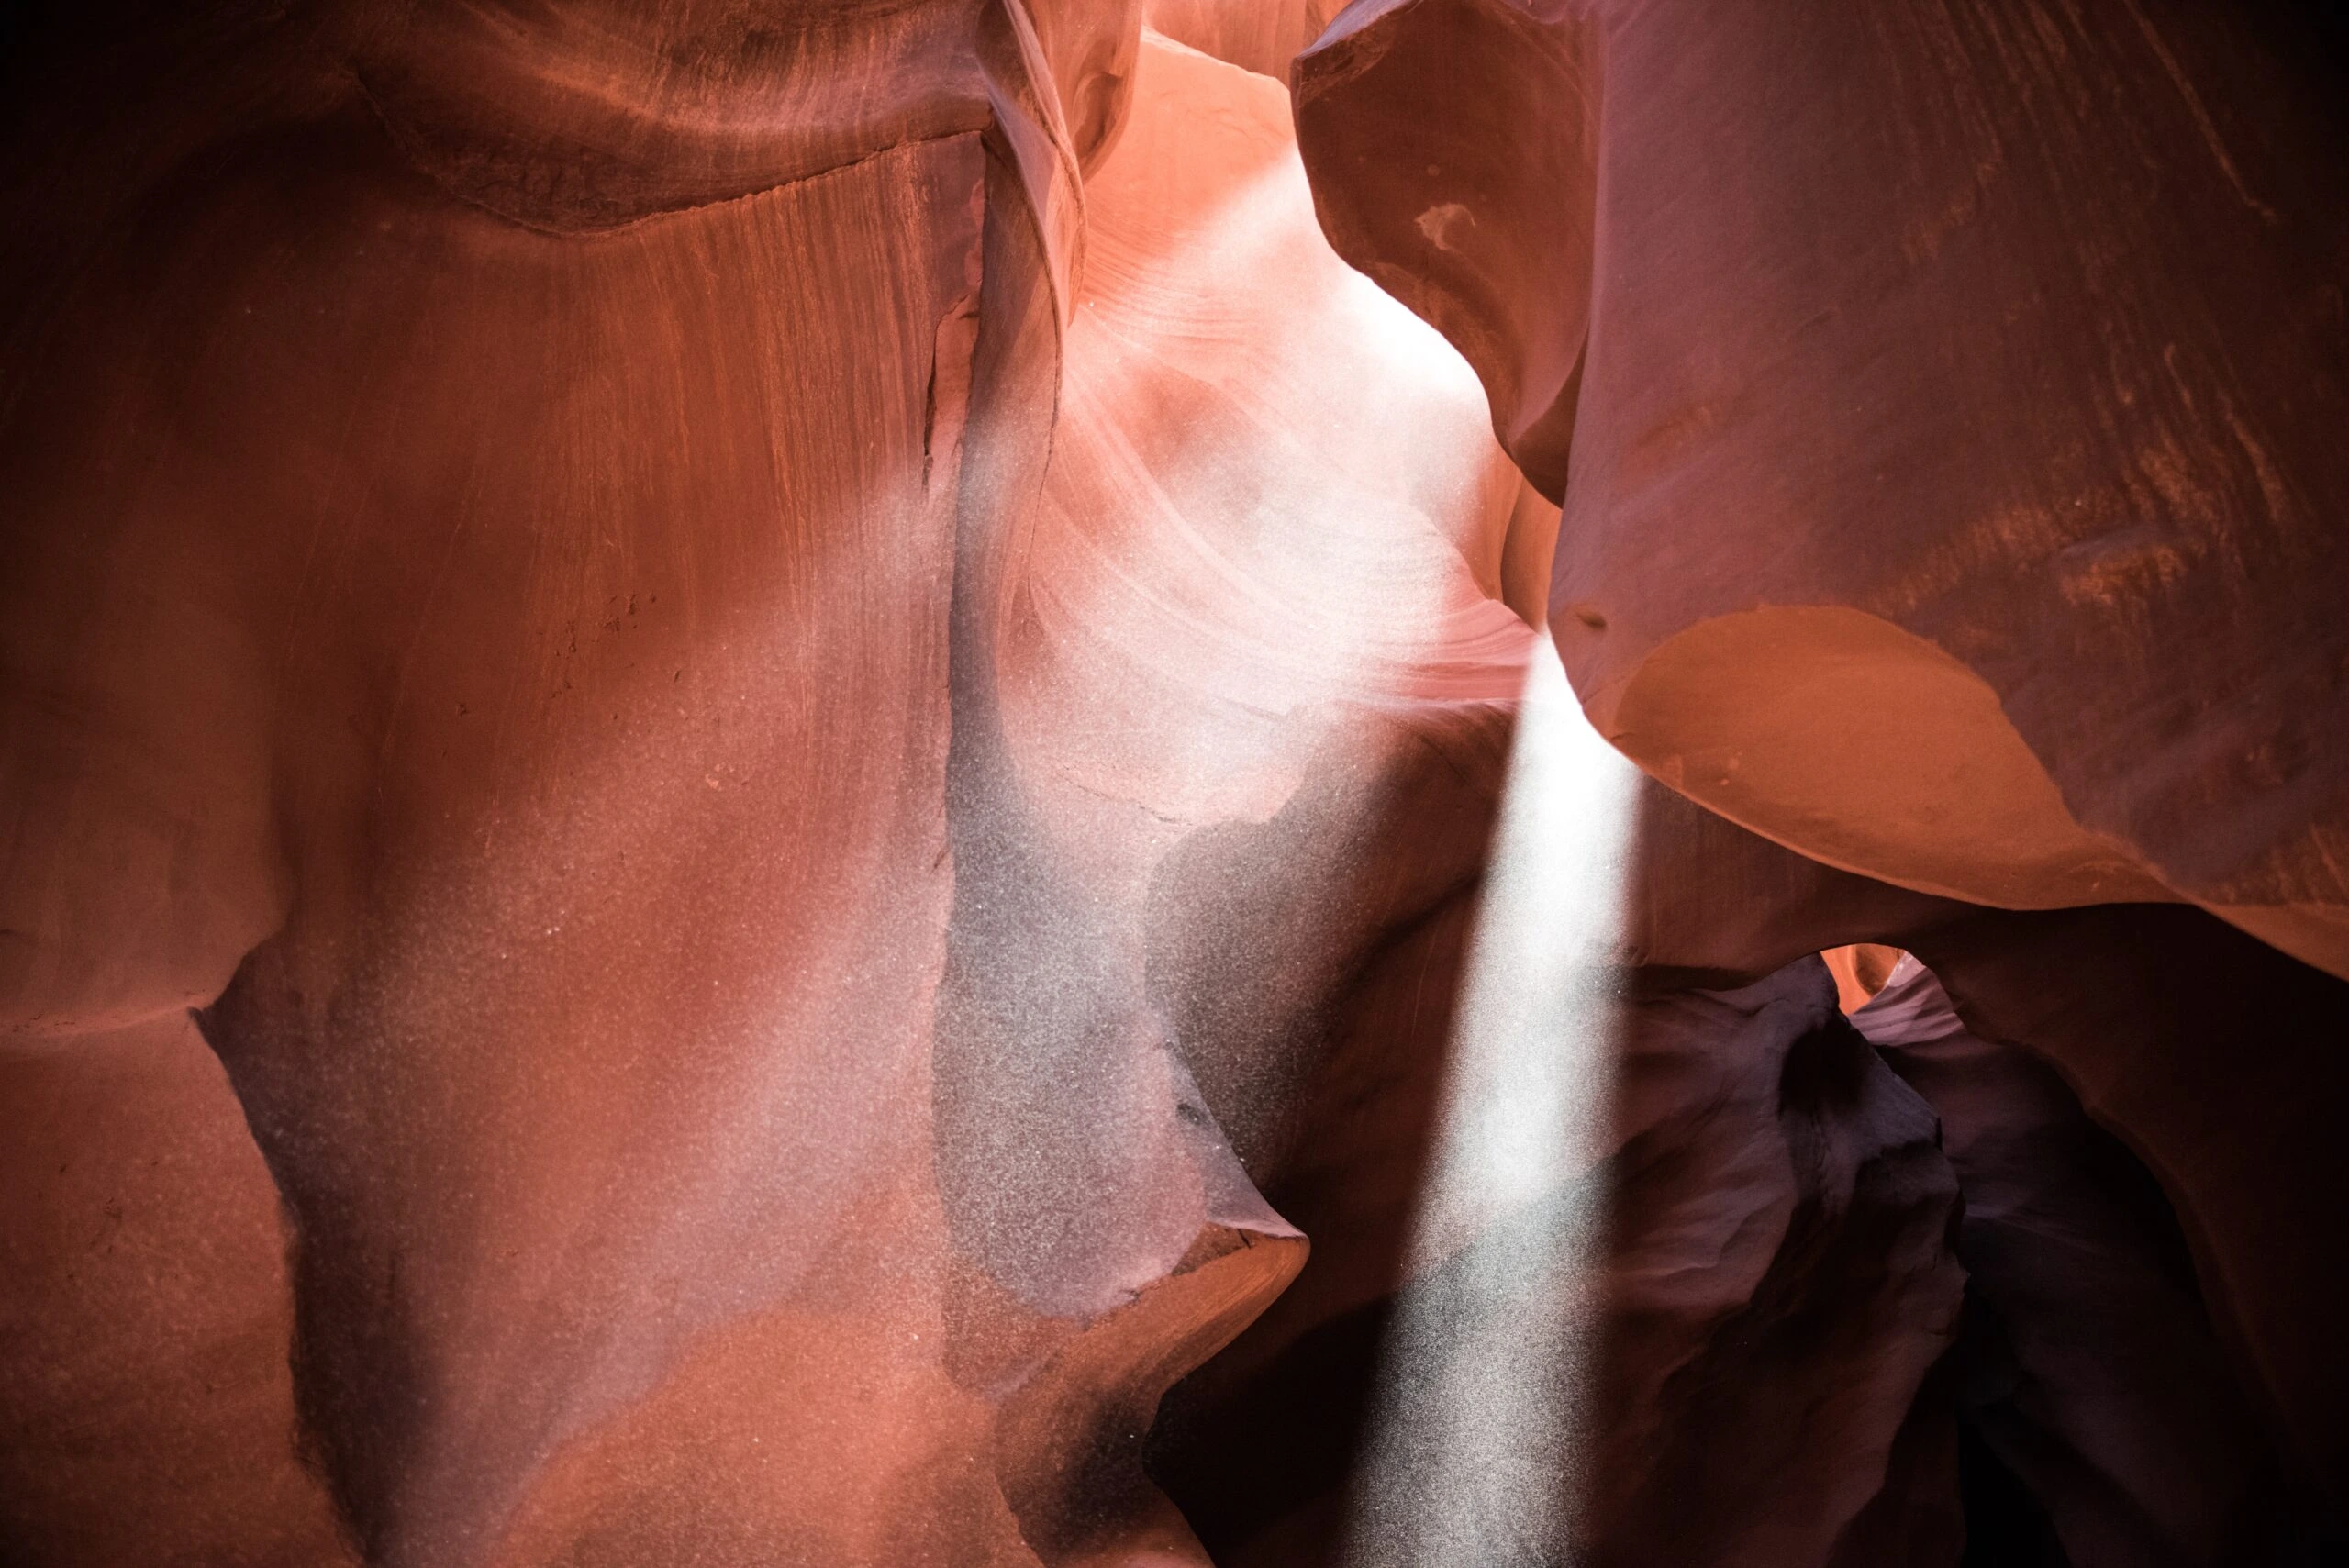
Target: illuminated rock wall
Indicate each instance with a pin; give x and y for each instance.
(1942, 404)
(755, 760)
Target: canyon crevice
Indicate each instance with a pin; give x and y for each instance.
(1030, 783)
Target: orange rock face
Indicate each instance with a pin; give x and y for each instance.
(1951, 470)
(145, 1404)
(754, 761)
(671, 954)
(593, 858)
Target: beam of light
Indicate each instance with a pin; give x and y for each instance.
(1475, 1456)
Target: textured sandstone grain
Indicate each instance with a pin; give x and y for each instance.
(485, 579)
(2216, 1061)
(2087, 1362)
(794, 689)
(146, 1405)
(1775, 1215)
(1947, 445)
(509, 617)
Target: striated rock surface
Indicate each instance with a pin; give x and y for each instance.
(1861, 971)
(541, 608)
(1265, 938)
(820, 716)
(1914, 412)
(1453, 146)
(1270, 492)
(487, 579)
(1234, 551)
(529, 1089)
(1262, 35)
(1718, 906)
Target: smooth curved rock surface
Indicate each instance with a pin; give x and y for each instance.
(2216, 1059)
(1261, 935)
(2087, 1362)
(1918, 418)
(1721, 907)
(1262, 35)
(1271, 494)
(516, 591)
(450, 1049)
(645, 878)
(794, 689)
(1454, 147)
(1774, 1213)
(146, 1405)
(1233, 549)
(1861, 971)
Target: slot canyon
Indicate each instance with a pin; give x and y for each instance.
(1175, 783)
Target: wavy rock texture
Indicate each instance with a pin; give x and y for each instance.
(2088, 1363)
(2216, 1059)
(490, 549)
(1774, 1212)
(1262, 35)
(1324, 1062)
(1270, 493)
(1714, 904)
(815, 709)
(550, 528)
(1403, 109)
(2144, 1012)
(1911, 421)
(1232, 538)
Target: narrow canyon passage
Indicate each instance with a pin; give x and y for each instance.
(1116, 783)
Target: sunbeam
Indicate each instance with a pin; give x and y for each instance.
(1474, 1453)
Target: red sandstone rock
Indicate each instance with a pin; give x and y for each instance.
(1271, 494)
(1775, 1211)
(1261, 936)
(2087, 1362)
(1262, 35)
(1453, 145)
(146, 1406)
(534, 553)
(1723, 906)
(2146, 1011)
(1157, 648)
(596, 848)
(484, 545)
(1158, 643)
(2216, 1061)
(2152, 1004)
(1859, 970)
(1952, 460)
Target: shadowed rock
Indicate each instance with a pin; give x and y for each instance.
(2088, 1365)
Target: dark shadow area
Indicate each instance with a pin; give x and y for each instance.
(2005, 1525)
